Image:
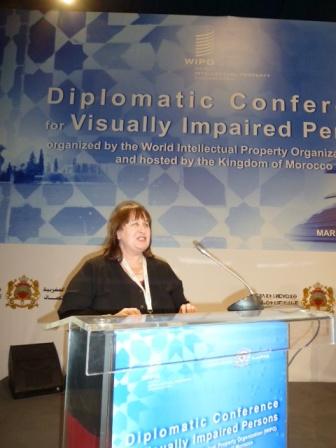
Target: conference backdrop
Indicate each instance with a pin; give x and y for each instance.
(223, 127)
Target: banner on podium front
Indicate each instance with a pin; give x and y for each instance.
(207, 386)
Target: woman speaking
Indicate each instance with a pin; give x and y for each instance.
(127, 279)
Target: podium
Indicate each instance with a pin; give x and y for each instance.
(180, 381)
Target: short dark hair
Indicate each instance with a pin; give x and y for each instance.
(121, 215)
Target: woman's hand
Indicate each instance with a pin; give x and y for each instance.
(128, 312)
(187, 308)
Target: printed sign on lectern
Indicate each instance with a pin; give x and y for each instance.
(211, 386)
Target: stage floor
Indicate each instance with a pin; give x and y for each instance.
(36, 422)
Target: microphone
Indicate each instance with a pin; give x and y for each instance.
(251, 302)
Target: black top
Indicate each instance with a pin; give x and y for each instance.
(103, 287)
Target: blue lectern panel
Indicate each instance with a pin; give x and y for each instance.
(178, 388)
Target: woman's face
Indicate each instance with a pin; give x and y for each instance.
(134, 236)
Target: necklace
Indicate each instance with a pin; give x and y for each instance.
(145, 288)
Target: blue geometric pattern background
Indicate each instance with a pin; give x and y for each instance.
(50, 194)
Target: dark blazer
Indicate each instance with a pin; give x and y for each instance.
(103, 287)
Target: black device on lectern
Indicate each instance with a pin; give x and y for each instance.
(252, 302)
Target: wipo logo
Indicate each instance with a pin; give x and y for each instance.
(203, 49)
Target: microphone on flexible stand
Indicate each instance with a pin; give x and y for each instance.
(251, 302)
